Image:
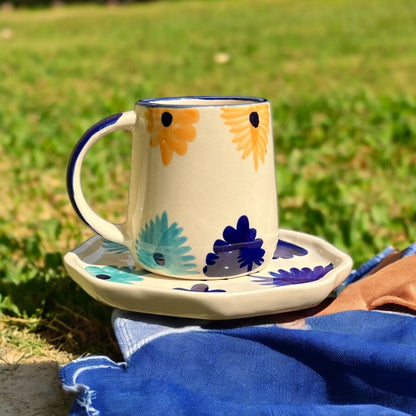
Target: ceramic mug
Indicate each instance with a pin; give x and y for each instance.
(202, 199)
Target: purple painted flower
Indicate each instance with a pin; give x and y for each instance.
(200, 287)
(293, 276)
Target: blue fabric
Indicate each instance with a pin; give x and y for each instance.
(409, 251)
(350, 363)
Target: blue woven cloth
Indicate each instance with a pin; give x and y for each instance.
(349, 363)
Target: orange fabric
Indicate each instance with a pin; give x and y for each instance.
(393, 284)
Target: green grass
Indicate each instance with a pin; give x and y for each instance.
(340, 78)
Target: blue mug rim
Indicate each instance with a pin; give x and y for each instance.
(208, 101)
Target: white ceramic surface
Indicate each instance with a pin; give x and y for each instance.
(202, 196)
(304, 271)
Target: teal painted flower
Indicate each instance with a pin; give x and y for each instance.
(113, 247)
(126, 274)
(161, 246)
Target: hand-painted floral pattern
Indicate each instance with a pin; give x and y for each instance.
(286, 250)
(239, 252)
(200, 287)
(171, 130)
(250, 126)
(160, 246)
(113, 247)
(127, 274)
(293, 276)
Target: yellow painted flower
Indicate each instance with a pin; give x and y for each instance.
(250, 126)
(171, 129)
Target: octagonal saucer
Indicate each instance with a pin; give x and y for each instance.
(305, 269)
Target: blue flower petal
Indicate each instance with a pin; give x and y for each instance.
(286, 250)
(239, 252)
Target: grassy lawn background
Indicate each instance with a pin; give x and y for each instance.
(340, 77)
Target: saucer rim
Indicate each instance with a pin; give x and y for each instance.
(242, 304)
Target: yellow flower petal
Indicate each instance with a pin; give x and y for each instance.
(250, 126)
(171, 129)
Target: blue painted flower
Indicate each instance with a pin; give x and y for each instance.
(113, 247)
(239, 252)
(286, 250)
(200, 287)
(161, 246)
(293, 276)
(126, 274)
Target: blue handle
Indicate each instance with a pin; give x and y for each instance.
(121, 121)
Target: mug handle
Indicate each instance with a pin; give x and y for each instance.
(120, 121)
